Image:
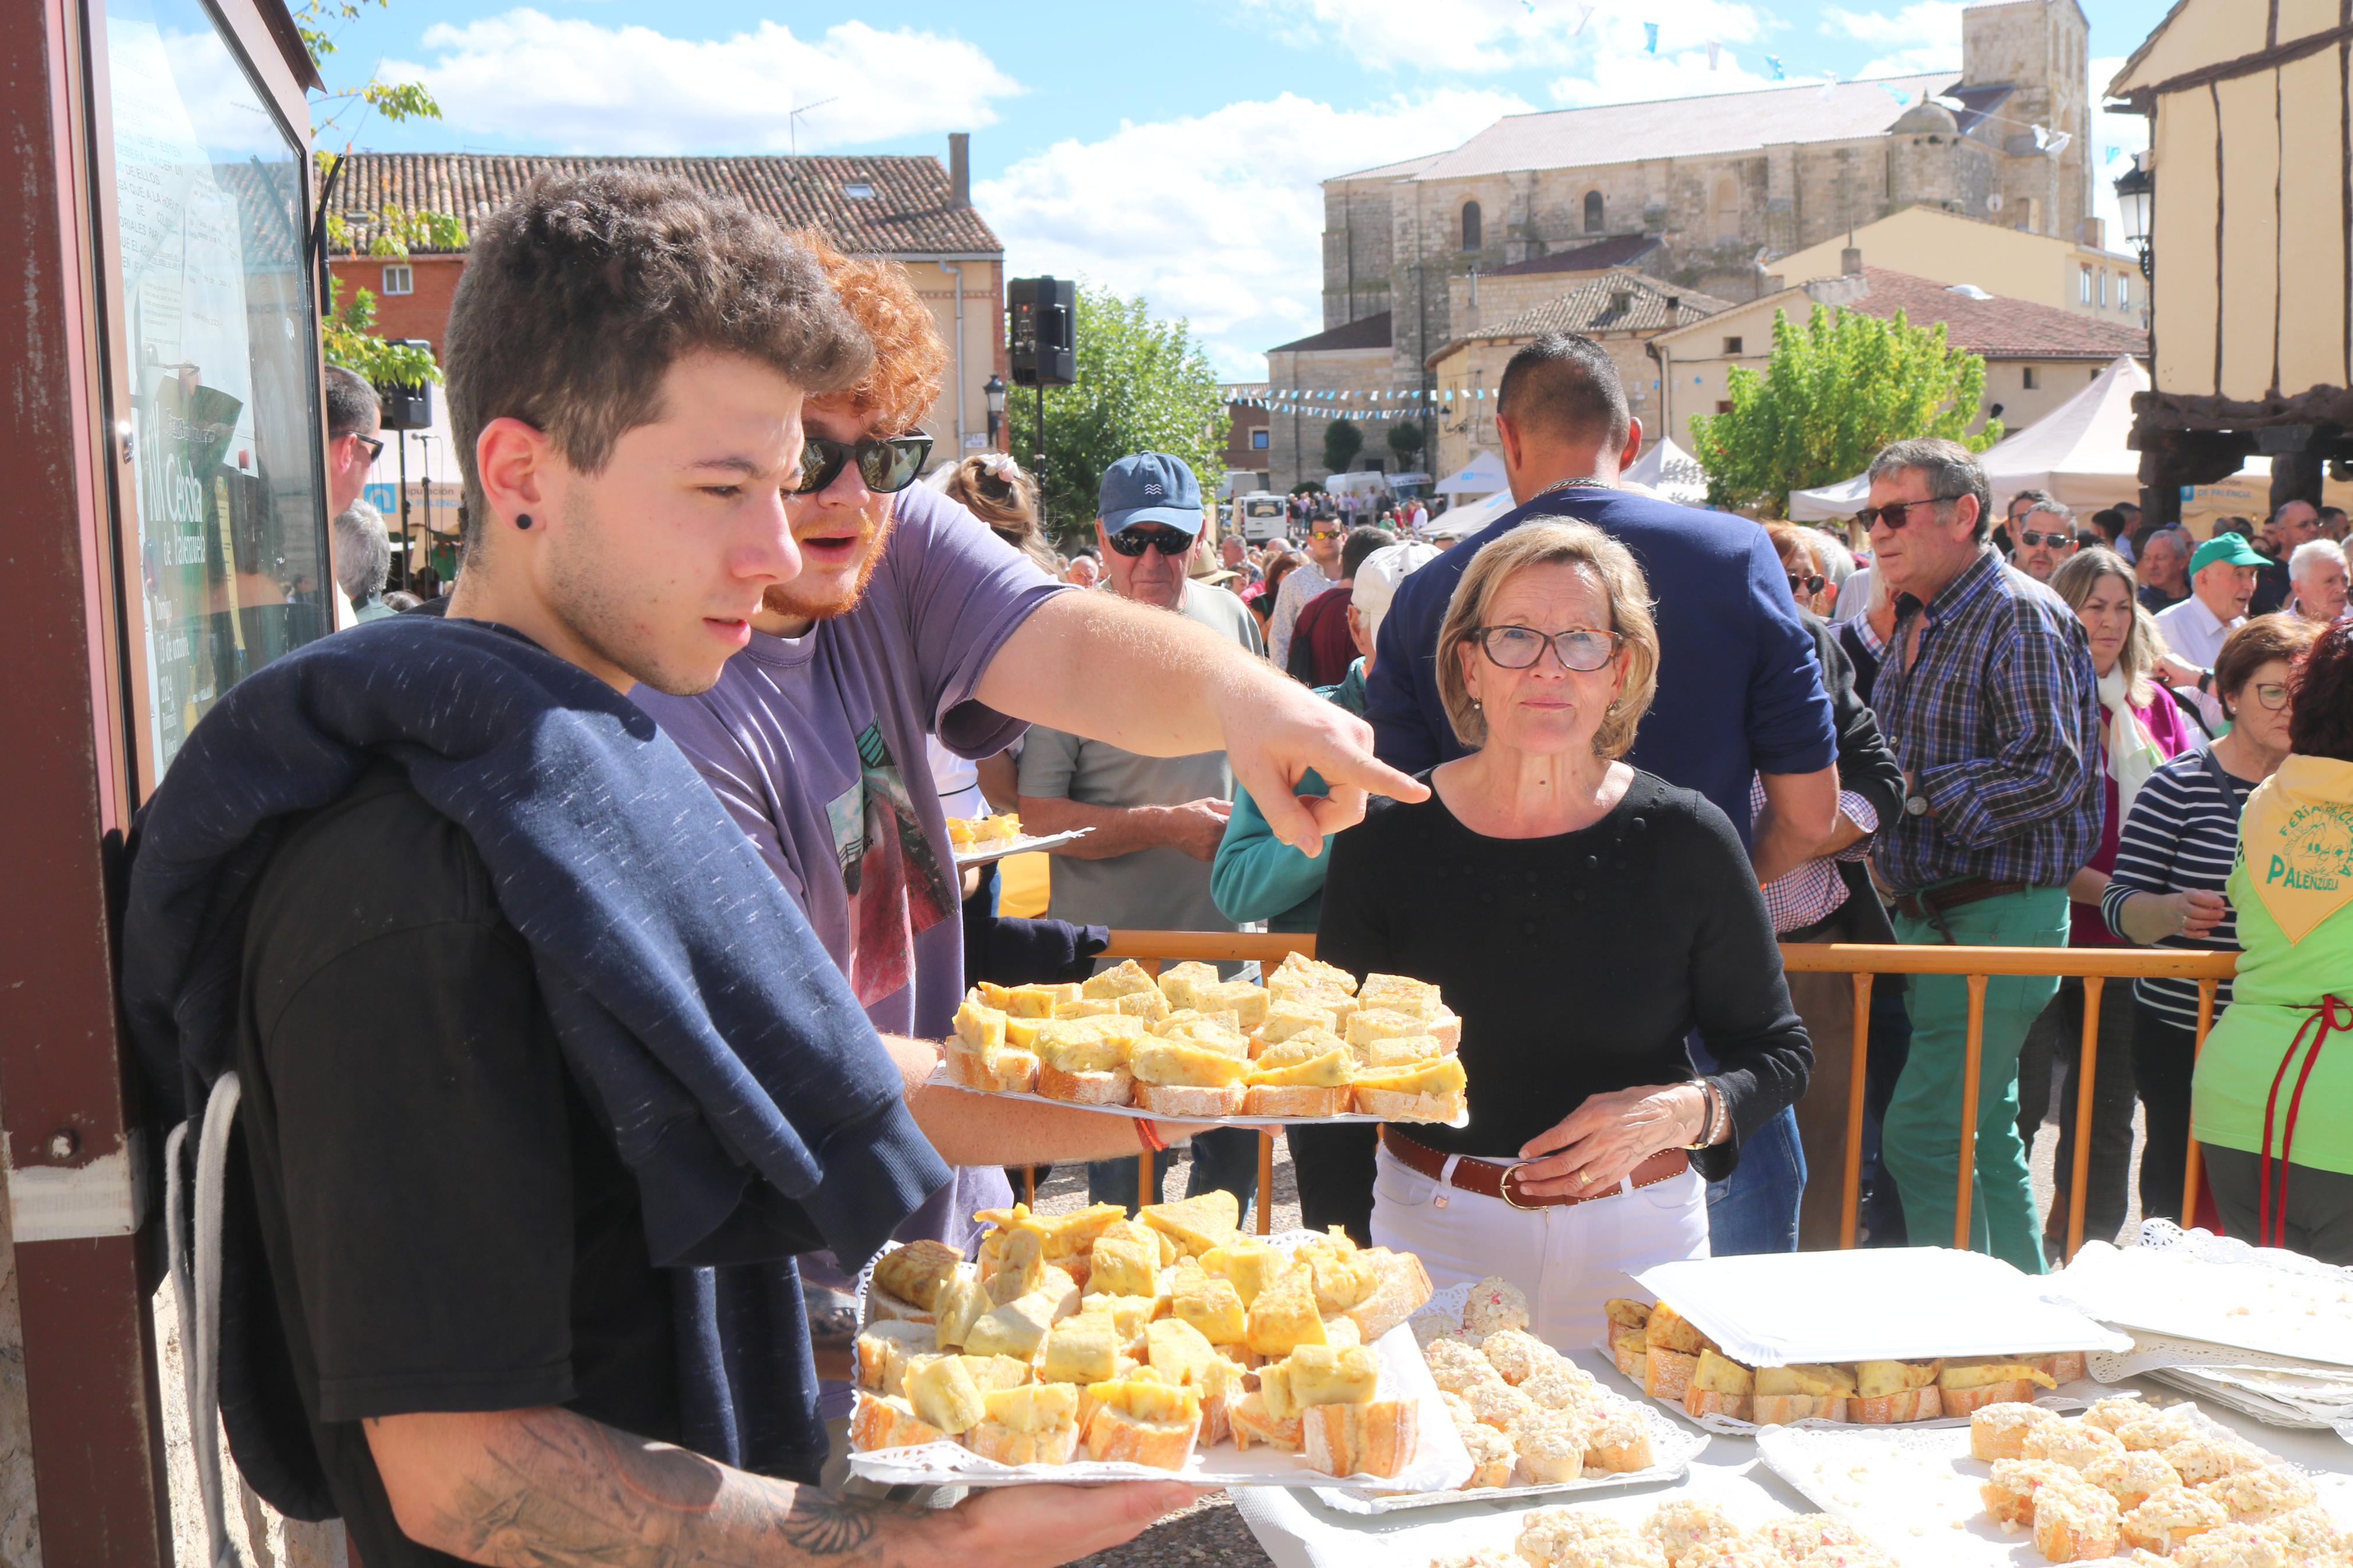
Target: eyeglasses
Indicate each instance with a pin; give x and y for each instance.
(1807, 582)
(885, 465)
(1324, 533)
(375, 446)
(1896, 513)
(1579, 648)
(1151, 536)
(2053, 537)
(2272, 695)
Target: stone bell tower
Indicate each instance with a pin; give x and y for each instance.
(2040, 50)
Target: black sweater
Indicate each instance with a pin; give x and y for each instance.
(1578, 963)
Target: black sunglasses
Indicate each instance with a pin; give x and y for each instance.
(885, 465)
(1811, 582)
(1151, 536)
(375, 446)
(2056, 538)
(1896, 513)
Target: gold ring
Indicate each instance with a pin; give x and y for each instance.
(1583, 1178)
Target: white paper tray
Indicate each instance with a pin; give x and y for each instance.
(1440, 1463)
(1673, 1445)
(2197, 1286)
(1022, 846)
(940, 1079)
(1914, 1493)
(1871, 1304)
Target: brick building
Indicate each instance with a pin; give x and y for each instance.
(915, 210)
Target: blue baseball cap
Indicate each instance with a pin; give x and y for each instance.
(1150, 487)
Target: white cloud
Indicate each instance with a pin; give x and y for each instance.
(570, 85)
(1502, 35)
(1215, 217)
(1924, 35)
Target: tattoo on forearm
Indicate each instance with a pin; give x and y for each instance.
(560, 1490)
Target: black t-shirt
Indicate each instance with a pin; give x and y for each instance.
(449, 1225)
(1579, 963)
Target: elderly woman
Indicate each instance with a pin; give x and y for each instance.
(2140, 729)
(2273, 1101)
(2165, 886)
(1583, 917)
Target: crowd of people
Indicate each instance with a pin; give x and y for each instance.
(525, 1257)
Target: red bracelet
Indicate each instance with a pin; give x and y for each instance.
(1149, 1136)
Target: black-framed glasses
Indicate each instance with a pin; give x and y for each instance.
(1579, 648)
(1896, 513)
(1146, 536)
(1806, 582)
(2058, 539)
(375, 446)
(886, 465)
(2272, 694)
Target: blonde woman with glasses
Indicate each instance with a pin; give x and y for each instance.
(1584, 918)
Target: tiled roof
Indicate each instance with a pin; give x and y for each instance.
(1688, 127)
(908, 212)
(1619, 301)
(1364, 332)
(1622, 250)
(1404, 170)
(1996, 328)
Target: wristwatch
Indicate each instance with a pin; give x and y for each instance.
(1915, 806)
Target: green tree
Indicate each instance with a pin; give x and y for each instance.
(1406, 441)
(348, 334)
(1144, 385)
(1836, 391)
(1342, 442)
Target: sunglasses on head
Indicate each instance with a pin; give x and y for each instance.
(1807, 582)
(2056, 538)
(1896, 513)
(1151, 536)
(886, 465)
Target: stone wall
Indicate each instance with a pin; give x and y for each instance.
(1295, 440)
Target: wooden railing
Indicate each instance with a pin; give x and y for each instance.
(2095, 966)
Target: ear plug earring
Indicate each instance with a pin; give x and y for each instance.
(523, 520)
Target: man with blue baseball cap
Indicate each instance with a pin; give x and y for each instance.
(1157, 821)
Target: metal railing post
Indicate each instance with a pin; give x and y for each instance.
(2189, 1165)
(1851, 1181)
(1265, 1181)
(2087, 1067)
(1972, 1070)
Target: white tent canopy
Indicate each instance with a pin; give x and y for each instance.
(1483, 475)
(1459, 522)
(2076, 452)
(1669, 473)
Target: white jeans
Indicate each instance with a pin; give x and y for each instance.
(1567, 1259)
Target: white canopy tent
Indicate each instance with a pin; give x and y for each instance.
(2076, 452)
(1482, 476)
(1459, 522)
(1669, 473)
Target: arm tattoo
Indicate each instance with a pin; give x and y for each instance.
(559, 1491)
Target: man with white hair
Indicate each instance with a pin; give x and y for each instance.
(2163, 570)
(2317, 572)
(1258, 876)
(362, 553)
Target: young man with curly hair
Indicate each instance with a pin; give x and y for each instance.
(544, 1078)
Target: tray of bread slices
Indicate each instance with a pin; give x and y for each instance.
(1680, 1533)
(1881, 1337)
(977, 841)
(1533, 1421)
(1089, 1346)
(1309, 1044)
(2022, 1485)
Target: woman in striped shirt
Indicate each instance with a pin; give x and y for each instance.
(2172, 860)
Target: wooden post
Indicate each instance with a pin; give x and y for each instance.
(1861, 1065)
(1265, 1181)
(2086, 1071)
(1972, 1067)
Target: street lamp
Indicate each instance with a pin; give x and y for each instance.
(994, 391)
(2135, 193)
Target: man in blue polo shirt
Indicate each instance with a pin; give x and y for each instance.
(1740, 694)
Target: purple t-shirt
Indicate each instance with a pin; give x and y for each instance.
(815, 745)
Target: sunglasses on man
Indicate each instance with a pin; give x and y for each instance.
(887, 466)
(375, 446)
(1895, 514)
(1135, 541)
(2058, 539)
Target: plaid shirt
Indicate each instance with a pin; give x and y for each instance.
(1804, 894)
(1997, 722)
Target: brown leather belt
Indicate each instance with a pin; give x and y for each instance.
(1929, 904)
(1490, 1180)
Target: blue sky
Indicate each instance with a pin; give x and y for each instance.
(1170, 148)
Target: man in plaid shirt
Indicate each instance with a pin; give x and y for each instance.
(1987, 698)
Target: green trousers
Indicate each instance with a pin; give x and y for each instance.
(1921, 1137)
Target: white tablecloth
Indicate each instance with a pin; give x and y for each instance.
(1297, 1531)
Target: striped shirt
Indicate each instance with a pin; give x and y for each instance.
(2181, 836)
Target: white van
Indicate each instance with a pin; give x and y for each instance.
(1258, 517)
